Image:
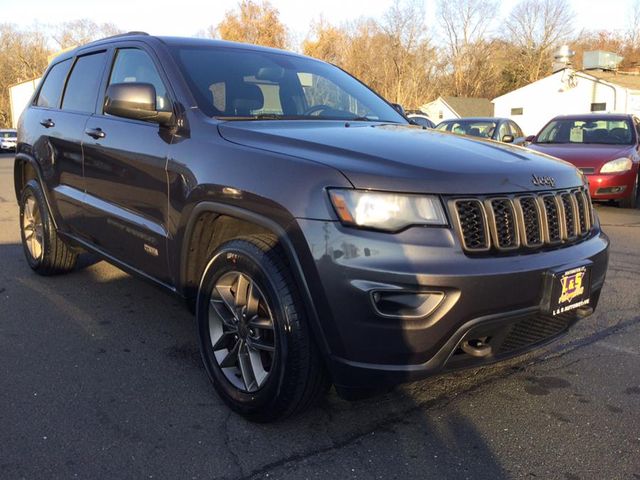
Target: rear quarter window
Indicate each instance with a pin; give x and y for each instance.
(51, 90)
(82, 88)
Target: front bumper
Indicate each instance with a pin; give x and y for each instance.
(8, 146)
(369, 348)
(614, 186)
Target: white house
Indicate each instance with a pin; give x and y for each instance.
(569, 91)
(447, 107)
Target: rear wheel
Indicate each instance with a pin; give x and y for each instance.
(632, 200)
(44, 250)
(254, 337)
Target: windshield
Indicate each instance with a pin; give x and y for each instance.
(475, 128)
(230, 83)
(8, 134)
(591, 130)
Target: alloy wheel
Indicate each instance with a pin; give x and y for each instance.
(241, 330)
(32, 227)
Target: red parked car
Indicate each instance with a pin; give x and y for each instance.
(604, 147)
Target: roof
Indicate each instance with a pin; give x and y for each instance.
(626, 80)
(469, 107)
(477, 119)
(171, 41)
(595, 115)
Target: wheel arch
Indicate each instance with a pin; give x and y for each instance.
(26, 168)
(229, 221)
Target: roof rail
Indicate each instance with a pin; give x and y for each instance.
(126, 34)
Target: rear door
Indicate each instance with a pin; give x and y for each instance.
(125, 171)
(59, 117)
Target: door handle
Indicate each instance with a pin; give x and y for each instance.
(47, 123)
(95, 133)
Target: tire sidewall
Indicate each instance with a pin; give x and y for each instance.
(242, 256)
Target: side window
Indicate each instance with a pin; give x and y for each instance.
(82, 87)
(517, 131)
(134, 65)
(51, 90)
(503, 130)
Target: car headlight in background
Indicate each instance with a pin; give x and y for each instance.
(618, 165)
(386, 211)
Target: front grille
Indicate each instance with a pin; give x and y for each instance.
(534, 329)
(588, 170)
(474, 236)
(523, 222)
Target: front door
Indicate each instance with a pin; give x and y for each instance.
(125, 175)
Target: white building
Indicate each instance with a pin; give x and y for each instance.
(19, 96)
(568, 92)
(447, 107)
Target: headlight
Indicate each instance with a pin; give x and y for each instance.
(618, 165)
(386, 211)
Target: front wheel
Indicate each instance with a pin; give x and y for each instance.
(255, 340)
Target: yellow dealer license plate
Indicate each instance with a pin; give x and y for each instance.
(570, 289)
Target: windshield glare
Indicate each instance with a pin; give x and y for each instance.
(482, 128)
(592, 130)
(7, 134)
(231, 83)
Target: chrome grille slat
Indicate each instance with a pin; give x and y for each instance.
(522, 222)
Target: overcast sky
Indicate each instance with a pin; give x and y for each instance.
(187, 17)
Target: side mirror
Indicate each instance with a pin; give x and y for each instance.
(508, 139)
(399, 108)
(134, 100)
(530, 138)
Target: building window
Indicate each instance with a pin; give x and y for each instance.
(517, 111)
(440, 115)
(598, 107)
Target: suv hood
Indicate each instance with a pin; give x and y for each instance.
(584, 156)
(404, 158)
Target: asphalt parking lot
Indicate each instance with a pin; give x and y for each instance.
(100, 377)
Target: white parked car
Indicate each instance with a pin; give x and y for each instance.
(8, 140)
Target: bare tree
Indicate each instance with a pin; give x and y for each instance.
(392, 56)
(466, 25)
(23, 56)
(81, 31)
(535, 28)
(252, 22)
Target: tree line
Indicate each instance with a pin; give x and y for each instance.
(466, 49)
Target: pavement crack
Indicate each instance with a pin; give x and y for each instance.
(227, 440)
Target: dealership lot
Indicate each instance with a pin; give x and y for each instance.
(100, 377)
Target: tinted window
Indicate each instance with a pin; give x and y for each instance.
(83, 84)
(51, 90)
(237, 83)
(134, 65)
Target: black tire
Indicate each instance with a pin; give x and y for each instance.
(297, 377)
(53, 256)
(632, 200)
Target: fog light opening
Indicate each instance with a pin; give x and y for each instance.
(403, 304)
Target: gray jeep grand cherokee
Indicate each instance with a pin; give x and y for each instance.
(320, 238)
